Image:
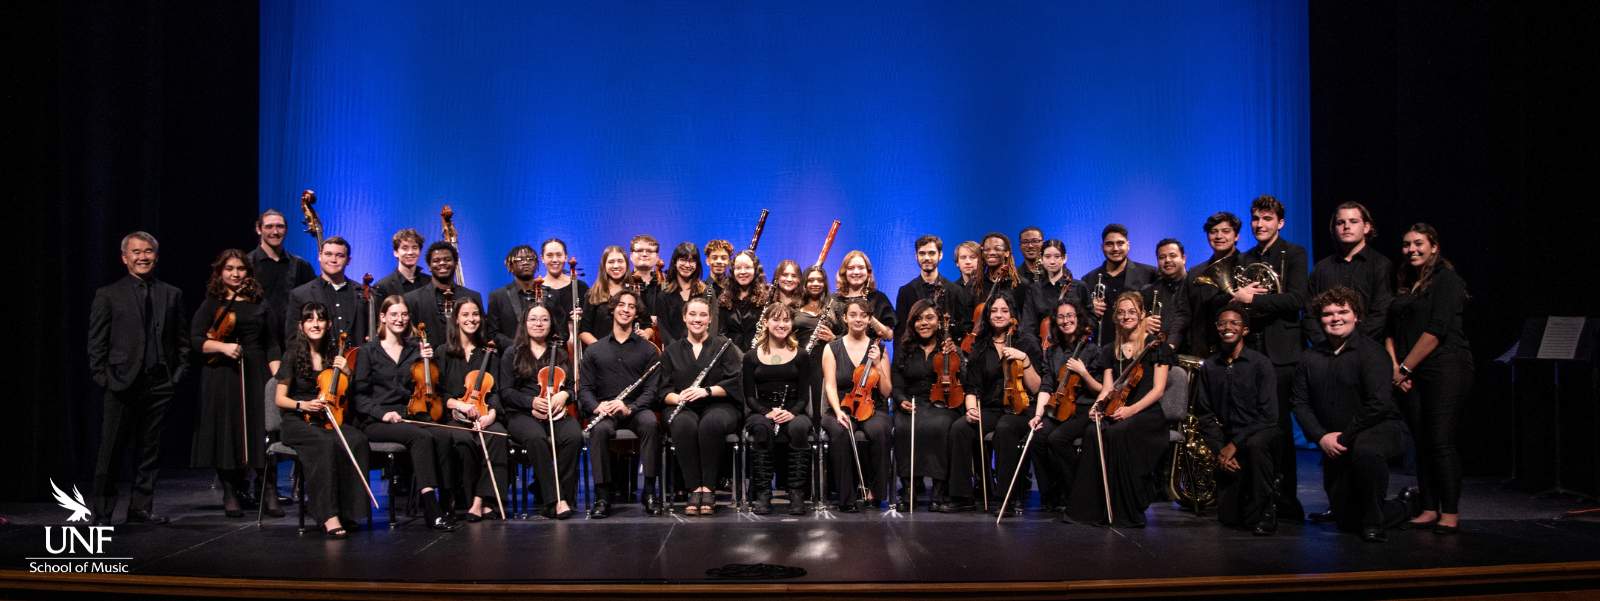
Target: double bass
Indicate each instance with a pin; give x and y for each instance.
(372, 309)
(308, 215)
(448, 234)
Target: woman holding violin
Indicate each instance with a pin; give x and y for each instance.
(1132, 430)
(856, 382)
(335, 489)
(1000, 378)
(777, 388)
(382, 393)
(1070, 384)
(235, 336)
(742, 299)
(534, 383)
(701, 374)
(466, 383)
(926, 366)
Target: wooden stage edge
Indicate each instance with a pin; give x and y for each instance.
(1546, 576)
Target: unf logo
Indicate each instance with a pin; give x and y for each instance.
(74, 539)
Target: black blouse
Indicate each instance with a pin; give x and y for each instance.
(844, 372)
(517, 392)
(302, 387)
(1050, 378)
(982, 376)
(912, 372)
(739, 322)
(785, 385)
(453, 373)
(382, 385)
(1160, 355)
(680, 366)
(877, 300)
(559, 302)
(1434, 310)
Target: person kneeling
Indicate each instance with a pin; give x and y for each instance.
(1237, 404)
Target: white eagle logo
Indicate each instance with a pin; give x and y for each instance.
(74, 503)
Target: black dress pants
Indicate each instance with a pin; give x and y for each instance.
(1242, 496)
(131, 425)
(534, 434)
(333, 486)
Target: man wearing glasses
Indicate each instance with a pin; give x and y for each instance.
(1031, 239)
(510, 302)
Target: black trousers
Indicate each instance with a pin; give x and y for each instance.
(534, 434)
(1242, 496)
(1288, 491)
(131, 425)
(1358, 480)
(1064, 455)
(874, 460)
(333, 485)
(429, 449)
(793, 433)
(963, 454)
(699, 434)
(467, 471)
(1441, 385)
(644, 424)
(933, 441)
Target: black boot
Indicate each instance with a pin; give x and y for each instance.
(434, 516)
(799, 479)
(230, 496)
(1269, 518)
(761, 478)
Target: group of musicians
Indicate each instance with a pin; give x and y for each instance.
(1013, 372)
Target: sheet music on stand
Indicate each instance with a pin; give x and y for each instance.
(1561, 337)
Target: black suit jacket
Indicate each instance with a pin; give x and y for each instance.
(1275, 318)
(504, 314)
(117, 337)
(424, 308)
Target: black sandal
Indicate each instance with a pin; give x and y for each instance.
(337, 533)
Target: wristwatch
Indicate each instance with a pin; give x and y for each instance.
(1405, 371)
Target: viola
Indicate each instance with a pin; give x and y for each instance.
(1131, 378)
(858, 402)
(425, 400)
(1063, 402)
(480, 382)
(1016, 392)
(332, 384)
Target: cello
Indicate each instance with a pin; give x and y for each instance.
(372, 310)
(425, 401)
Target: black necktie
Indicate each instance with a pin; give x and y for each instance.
(152, 347)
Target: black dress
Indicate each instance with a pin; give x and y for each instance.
(333, 485)
(559, 302)
(231, 419)
(875, 458)
(1133, 449)
(517, 391)
(913, 377)
(1057, 471)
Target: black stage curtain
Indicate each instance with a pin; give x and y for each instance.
(132, 115)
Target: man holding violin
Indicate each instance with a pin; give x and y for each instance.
(138, 350)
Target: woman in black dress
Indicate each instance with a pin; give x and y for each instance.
(999, 341)
(913, 378)
(380, 391)
(813, 323)
(613, 278)
(711, 409)
(1432, 369)
(844, 355)
(335, 493)
(684, 282)
(742, 299)
(465, 352)
(855, 281)
(777, 388)
(528, 415)
(230, 428)
(1135, 436)
(1071, 353)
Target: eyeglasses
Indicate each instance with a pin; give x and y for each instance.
(1031, 242)
(1126, 313)
(522, 259)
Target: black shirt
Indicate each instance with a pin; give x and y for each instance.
(517, 391)
(786, 385)
(680, 366)
(1040, 298)
(982, 376)
(1136, 276)
(380, 384)
(917, 289)
(278, 277)
(1205, 301)
(427, 307)
(738, 321)
(1434, 310)
(453, 373)
(1050, 374)
(1347, 391)
(610, 366)
(1242, 393)
(347, 311)
(301, 386)
(396, 284)
(912, 373)
(1275, 318)
(876, 299)
(597, 319)
(1370, 274)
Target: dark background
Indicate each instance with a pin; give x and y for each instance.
(1472, 116)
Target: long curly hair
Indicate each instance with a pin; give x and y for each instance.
(249, 292)
(301, 347)
(757, 289)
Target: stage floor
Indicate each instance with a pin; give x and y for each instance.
(1504, 527)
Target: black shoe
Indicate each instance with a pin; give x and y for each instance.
(902, 506)
(1443, 530)
(954, 506)
(1373, 534)
(851, 507)
(763, 504)
(560, 515)
(443, 524)
(474, 518)
(1265, 528)
(1321, 517)
(146, 517)
(1412, 497)
(273, 508)
(797, 502)
(652, 505)
(601, 509)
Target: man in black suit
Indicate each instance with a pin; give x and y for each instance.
(1275, 327)
(138, 351)
(426, 304)
(509, 302)
(1117, 274)
(347, 311)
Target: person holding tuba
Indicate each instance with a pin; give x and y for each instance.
(1236, 402)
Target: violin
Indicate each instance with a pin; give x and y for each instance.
(223, 323)
(551, 378)
(424, 401)
(333, 383)
(1063, 402)
(946, 366)
(1130, 378)
(977, 312)
(480, 382)
(1016, 392)
(858, 402)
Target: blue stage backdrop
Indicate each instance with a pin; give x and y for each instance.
(594, 121)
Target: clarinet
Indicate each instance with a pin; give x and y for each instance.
(701, 376)
(623, 395)
(825, 319)
(761, 321)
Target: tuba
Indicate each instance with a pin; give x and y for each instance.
(1193, 482)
